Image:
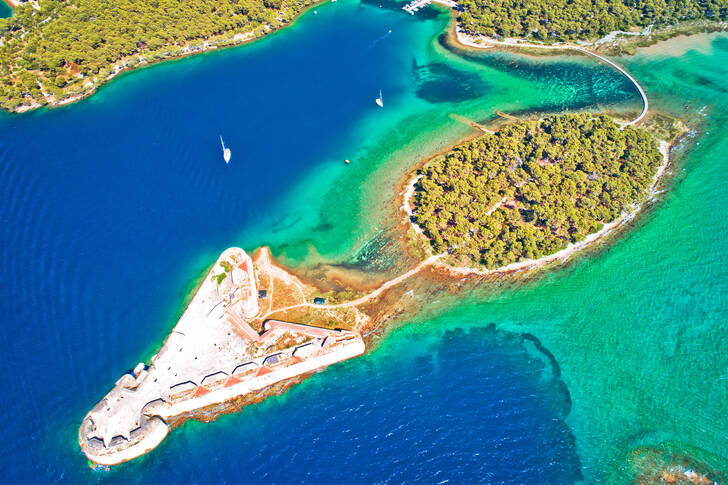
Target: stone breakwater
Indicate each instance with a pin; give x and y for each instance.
(212, 356)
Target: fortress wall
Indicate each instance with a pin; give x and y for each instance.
(228, 393)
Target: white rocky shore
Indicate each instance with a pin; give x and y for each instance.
(212, 356)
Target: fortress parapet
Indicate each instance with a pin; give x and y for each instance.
(211, 356)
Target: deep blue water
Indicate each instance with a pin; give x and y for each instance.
(482, 406)
(110, 207)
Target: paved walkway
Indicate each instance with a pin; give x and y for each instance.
(467, 40)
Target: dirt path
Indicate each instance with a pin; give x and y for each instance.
(274, 271)
(364, 299)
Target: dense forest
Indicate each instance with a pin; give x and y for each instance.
(53, 49)
(61, 45)
(533, 187)
(563, 20)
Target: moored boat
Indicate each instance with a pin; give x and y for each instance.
(226, 153)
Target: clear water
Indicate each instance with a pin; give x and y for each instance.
(111, 208)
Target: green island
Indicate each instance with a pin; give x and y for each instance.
(63, 50)
(565, 20)
(533, 187)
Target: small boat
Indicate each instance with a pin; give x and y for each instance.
(380, 100)
(226, 153)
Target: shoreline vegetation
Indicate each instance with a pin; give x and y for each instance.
(40, 65)
(419, 239)
(532, 188)
(56, 52)
(666, 131)
(586, 23)
(616, 43)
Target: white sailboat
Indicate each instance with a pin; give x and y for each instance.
(380, 100)
(226, 153)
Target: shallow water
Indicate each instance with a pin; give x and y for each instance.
(111, 208)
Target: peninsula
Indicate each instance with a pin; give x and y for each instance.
(220, 352)
(517, 197)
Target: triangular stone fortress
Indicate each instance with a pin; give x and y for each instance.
(212, 356)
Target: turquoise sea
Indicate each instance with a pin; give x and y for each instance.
(112, 208)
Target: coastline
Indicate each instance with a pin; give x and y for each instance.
(219, 354)
(225, 40)
(435, 260)
(168, 53)
(619, 42)
(531, 264)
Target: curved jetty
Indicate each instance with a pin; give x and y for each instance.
(212, 356)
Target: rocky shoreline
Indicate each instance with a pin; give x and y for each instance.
(530, 264)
